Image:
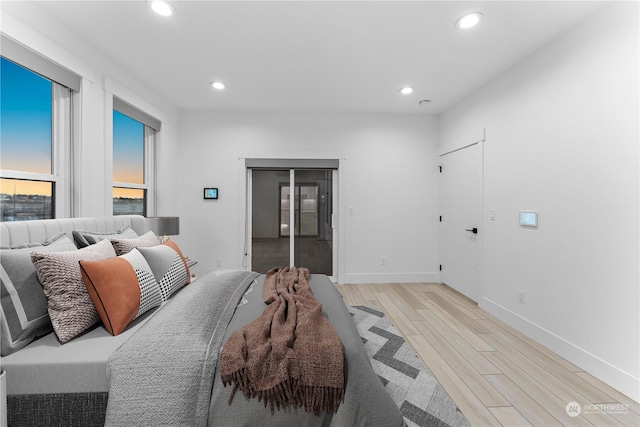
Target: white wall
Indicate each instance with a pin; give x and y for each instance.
(102, 77)
(387, 175)
(562, 133)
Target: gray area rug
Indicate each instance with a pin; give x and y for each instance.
(421, 398)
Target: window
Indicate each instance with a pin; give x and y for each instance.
(27, 186)
(129, 190)
(35, 134)
(133, 160)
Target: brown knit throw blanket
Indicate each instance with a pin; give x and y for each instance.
(290, 355)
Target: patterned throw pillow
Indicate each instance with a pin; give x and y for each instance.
(122, 289)
(123, 246)
(70, 307)
(169, 267)
(86, 238)
(23, 306)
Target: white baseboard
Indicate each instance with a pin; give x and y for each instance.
(3, 398)
(389, 278)
(601, 369)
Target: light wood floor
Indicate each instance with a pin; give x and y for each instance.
(495, 374)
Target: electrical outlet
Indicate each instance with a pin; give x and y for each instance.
(384, 260)
(520, 296)
(219, 263)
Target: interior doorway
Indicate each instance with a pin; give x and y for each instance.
(460, 223)
(292, 228)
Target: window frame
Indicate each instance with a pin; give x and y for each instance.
(62, 98)
(151, 127)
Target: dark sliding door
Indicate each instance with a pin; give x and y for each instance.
(314, 235)
(268, 248)
(304, 214)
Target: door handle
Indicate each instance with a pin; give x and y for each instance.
(474, 230)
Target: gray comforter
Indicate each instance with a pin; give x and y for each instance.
(166, 373)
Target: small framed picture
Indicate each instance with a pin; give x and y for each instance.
(210, 193)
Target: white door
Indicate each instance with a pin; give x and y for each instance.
(460, 204)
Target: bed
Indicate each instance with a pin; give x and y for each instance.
(162, 367)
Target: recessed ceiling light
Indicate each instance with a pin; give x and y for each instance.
(469, 20)
(162, 7)
(406, 90)
(218, 85)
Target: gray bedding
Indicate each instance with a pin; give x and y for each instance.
(166, 373)
(47, 367)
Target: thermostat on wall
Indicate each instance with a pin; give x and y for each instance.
(210, 193)
(528, 219)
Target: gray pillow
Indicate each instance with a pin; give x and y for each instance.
(70, 307)
(168, 266)
(123, 246)
(23, 305)
(86, 238)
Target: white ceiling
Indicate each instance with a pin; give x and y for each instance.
(316, 55)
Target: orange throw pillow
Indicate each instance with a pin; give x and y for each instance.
(120, 291)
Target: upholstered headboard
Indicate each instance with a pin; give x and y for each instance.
(20, 232)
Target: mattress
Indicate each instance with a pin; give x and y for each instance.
(47, 367)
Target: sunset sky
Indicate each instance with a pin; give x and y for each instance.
(11, 186)
(128, 149)
(25, 136)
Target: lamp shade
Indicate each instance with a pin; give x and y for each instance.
(164, 225)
